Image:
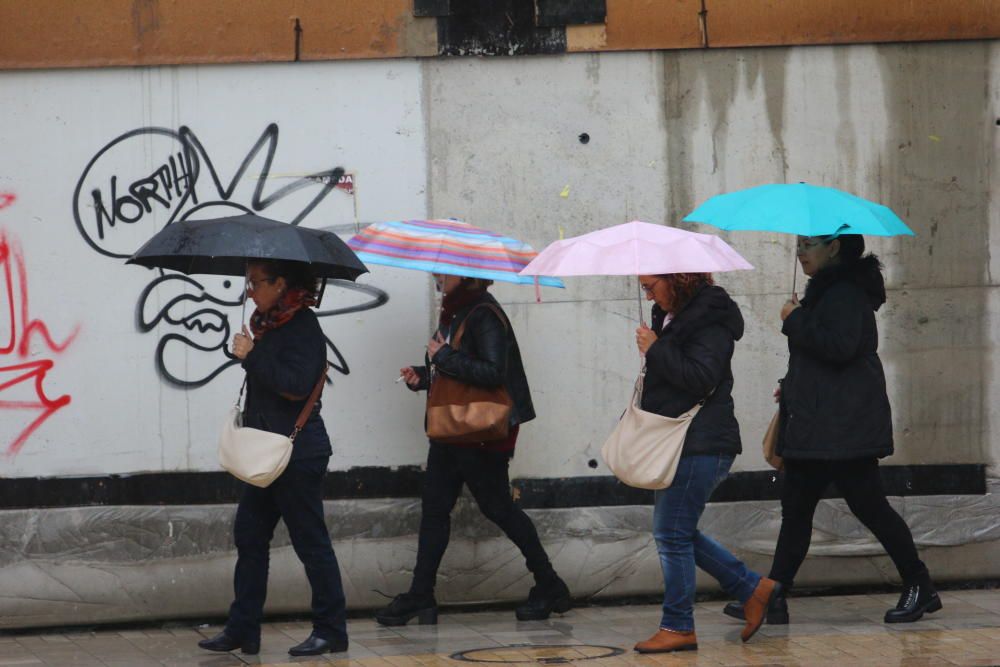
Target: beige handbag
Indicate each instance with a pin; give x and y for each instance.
(255, 456)
(771, 442)
(644, 449)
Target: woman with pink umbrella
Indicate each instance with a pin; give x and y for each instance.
(687, 353)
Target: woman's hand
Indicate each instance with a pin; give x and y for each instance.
(410, 376)
(644, 337)
(434, 344)
(242, 344)
(789, 306)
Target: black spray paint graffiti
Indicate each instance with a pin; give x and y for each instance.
(116, 214)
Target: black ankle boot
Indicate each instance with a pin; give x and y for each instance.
(543, 600)
(314, 645)
(406, 606)
(224, 642)
(917, 599)
(777, 611)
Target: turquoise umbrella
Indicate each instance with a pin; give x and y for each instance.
(798, 208)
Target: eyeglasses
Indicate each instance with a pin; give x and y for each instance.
(254, 285)
(648, 289)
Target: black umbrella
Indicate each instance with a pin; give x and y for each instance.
(224, 246)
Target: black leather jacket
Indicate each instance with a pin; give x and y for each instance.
(288, 360)
(488, 356)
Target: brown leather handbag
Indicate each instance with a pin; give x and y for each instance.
(462, 413)
(771, 442)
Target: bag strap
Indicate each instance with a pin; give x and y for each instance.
(306, 409)
(310, 404)
(461, 327)
(641, 381)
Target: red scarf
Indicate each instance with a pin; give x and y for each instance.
(289, 304)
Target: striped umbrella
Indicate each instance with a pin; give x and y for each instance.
(447, 246)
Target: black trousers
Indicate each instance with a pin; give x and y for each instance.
(859, 482)
(297, 498)
(486, 474)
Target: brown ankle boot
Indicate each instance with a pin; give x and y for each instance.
(666, 641)
(755, 609)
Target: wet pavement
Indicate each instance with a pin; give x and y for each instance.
(835, 630)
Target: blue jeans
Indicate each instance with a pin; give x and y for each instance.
(682, 546)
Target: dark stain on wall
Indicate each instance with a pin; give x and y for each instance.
(495, 28)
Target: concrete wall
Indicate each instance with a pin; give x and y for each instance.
(118, 381)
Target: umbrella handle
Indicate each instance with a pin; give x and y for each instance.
(642, 319)
(795, 269)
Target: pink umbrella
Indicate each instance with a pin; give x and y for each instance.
(636, 248)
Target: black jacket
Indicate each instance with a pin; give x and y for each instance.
(488, 356)
(834, 402)
(288, 360)
(689, 359)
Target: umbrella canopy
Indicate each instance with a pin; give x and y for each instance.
(223, 246)
(798, 208)
(446, 246)
(636, 248)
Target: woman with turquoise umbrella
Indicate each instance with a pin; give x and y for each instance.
(835, 419)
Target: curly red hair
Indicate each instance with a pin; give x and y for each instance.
(681, 287)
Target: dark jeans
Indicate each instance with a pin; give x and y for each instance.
(859, 482)
(297, 498)
(485, 473)
(682, 546)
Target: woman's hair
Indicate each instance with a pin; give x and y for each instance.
(852, 246)
(681, 287)
(297, 275)
(475, 284)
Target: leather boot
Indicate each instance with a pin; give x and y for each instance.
(543, 600)
(755, 609)
(224, 642)
(916, 600)
(668, 641)
(406, 606)
(777, 611)
(314, 645)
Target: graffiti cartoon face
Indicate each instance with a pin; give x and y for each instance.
(121, 200)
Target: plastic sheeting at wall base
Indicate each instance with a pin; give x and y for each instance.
(103, 564)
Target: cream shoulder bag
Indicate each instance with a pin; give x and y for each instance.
(644, 449)
(255, 456)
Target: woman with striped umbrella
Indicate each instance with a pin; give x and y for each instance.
(475, 345)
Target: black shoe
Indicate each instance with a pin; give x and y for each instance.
(317, 646)
(406, 606)
(916, 600)
(777, 611)
(542, 601)
(224, 643)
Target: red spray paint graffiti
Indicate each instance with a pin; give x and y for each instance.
(22, 330)
(8, 198)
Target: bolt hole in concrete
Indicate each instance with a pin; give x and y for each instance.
(538, 654)
(592, 463)
(585, 138)
(998, 121)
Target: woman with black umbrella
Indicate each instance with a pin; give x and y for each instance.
(284, 355)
